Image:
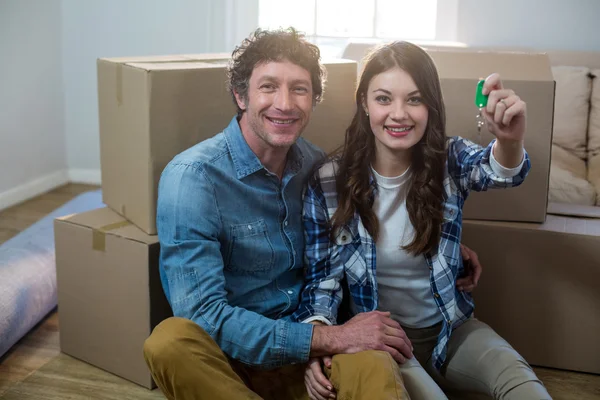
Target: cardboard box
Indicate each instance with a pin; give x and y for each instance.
(109, 292)
(153, 108)
(540, 287)
(530, 76)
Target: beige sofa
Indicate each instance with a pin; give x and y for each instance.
(575, 167)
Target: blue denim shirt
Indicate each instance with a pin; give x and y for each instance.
(232, 246)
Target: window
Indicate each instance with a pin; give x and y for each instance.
(329, 23)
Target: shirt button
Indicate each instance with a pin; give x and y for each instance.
(285, 223)
(249, 227)
(290, 292)
(449, 322)
(344, 237)
(436, 295)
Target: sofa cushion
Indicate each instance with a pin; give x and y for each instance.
(594, 175)
(569, 162)
(565, 187)
(594, 127)
(571, 108)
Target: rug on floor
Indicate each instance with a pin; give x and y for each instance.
(28, 272)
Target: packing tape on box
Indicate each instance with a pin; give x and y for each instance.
(99, 235)
(119, 84)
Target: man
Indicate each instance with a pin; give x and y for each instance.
(229, 225)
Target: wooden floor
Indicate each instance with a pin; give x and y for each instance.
(57, 376)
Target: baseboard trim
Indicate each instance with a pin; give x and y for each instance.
(47, 183)
(33, 188)
(89, 176)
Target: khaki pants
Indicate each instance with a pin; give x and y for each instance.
(478, 360)
(187, 363)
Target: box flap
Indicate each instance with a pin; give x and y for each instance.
(188, 61)
(104, 221)
(574, 210)
(336, 61)
(125, 60)
(510, 65)
(177, 65)
(207, 56)
(171, 62)
(554, 223)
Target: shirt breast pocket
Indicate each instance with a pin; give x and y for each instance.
(355, 267)
(251, 249)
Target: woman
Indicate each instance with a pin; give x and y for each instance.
(383, 218)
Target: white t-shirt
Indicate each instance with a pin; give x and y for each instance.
(402, 279)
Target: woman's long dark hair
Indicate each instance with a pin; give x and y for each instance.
(425, 197)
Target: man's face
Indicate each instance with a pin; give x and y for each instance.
(278, 105)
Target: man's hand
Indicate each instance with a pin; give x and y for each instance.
(472, 267)
(317, 384)
(373, 330)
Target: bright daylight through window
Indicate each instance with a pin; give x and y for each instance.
(330, 23)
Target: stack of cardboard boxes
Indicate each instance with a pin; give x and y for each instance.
(539, 288)
(150, 109)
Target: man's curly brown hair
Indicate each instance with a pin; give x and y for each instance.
(274, 45)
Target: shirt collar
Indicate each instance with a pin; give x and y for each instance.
(246, 162)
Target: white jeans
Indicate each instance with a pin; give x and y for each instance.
(478, 360)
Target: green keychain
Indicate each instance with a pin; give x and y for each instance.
(480, 98)
(481, 101)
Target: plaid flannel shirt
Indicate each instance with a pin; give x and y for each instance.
(351, 256)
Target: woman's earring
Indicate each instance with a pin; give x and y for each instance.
(367, 113)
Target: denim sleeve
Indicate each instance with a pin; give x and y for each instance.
(191, 267)
(324, 270)
(469, 166)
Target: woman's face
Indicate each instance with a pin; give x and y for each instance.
(397, 114)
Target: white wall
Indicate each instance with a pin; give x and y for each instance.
(114, 28)
(32, 141)
(537, 24)
(48, 101)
